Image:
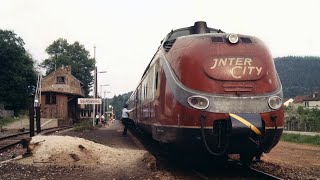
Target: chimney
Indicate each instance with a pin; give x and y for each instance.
(68, 68)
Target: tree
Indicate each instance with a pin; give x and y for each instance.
(62, 53)
(118, 102)
(18, 76)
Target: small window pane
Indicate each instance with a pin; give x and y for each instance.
(180, 33)
(61, 80)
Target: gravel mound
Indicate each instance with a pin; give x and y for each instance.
(74, 151)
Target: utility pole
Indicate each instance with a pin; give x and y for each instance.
(94, 85)
(104, 105)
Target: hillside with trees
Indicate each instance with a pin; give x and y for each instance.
(298, 75)
(118, 102)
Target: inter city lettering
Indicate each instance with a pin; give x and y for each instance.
(239, 66)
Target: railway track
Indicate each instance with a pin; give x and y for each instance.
(234, 172)
(24, 138)
(197, 166)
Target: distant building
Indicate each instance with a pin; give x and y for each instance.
(298, 101)
(60, 91)
(312, 100)
(287, 102)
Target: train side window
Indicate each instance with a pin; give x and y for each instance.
(156, 81)
(179, 33)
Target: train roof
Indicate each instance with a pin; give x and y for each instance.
(199, 27)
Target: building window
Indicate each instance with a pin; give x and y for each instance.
(61, 80)
(306, 104)
(51, 99)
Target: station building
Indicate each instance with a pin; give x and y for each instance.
(60, 91)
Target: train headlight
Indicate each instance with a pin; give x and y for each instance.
(275, 102)
(198, 102)
(233, 38)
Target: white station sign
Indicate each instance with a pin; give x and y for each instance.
(89, 101)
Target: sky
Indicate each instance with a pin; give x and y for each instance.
(127, 33)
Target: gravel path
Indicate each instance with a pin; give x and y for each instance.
(24, 123)
(106, 154)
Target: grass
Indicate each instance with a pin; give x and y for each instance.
(84, 126)
(7, 120)
(301, 139)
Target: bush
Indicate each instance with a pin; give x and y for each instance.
(301, 139)
(84, 126)
(7, 120)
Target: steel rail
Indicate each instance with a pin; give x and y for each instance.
(264, 174)
(14, 139)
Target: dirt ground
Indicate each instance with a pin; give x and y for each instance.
(292, 161)
(113, 156)
(24, 123)
(100, 154)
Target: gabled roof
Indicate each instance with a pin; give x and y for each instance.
(298, 99)
(313, 97)
(71, 84)
(66, 69)
(286, 99)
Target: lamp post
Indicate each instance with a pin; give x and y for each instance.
(95, 92)
(101, 96)
(107, 99)
(95, 85)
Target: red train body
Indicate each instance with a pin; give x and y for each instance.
(211, 89)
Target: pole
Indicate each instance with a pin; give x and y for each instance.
(101, 103)
(104, 107)
(94, 85)
(107, 107)
(96, 91)
(38, 122)
(31, 121)
(94, 95)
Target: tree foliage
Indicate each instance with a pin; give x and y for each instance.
(301, 118)
(18, 76)
(118, 102)
(298, 75)
(62, 53)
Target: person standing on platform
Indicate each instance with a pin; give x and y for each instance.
(125, 119)
(103, 120)
(97, 119)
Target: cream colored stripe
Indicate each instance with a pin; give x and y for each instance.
(175, 126)
(245, 122)
(280, 127)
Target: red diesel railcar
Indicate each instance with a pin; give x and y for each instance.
(219, 89)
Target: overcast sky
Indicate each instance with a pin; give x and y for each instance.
(128, 33)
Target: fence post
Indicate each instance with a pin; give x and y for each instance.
(31, 121)
(38, 120)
